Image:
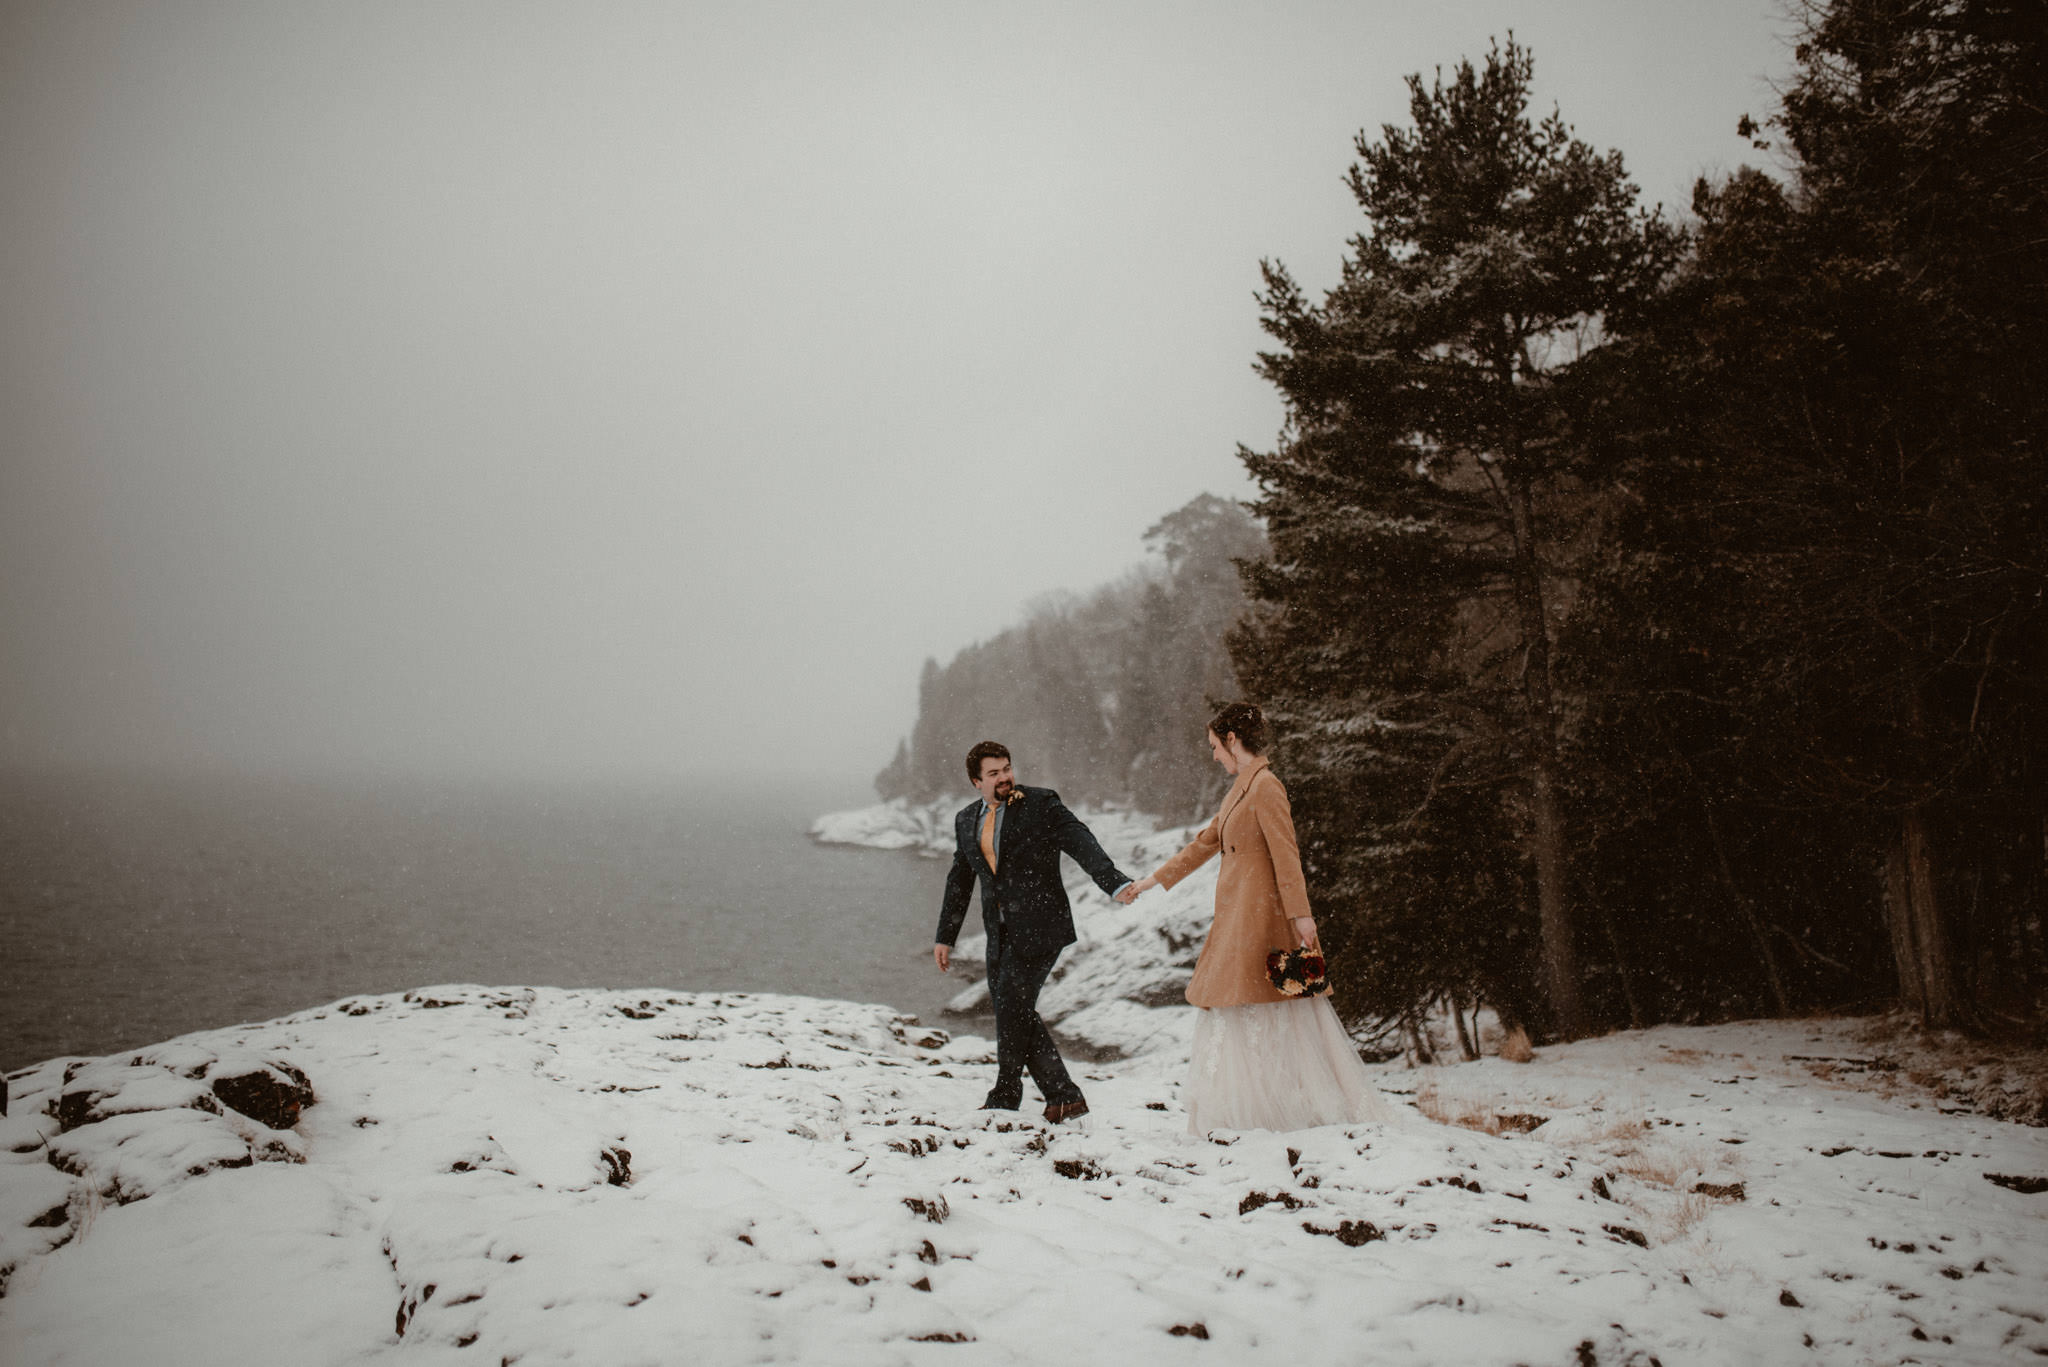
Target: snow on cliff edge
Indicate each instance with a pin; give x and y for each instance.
(534, 1175)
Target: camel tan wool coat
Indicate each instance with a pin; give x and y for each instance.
(1258, 893)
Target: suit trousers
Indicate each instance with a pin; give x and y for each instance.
(1015, 977)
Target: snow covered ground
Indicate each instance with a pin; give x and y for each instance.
(530, 1175)
(614, 1178)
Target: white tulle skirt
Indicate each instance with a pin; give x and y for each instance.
(1277, 1066)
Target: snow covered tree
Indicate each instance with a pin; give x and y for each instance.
(1432, 488)
(1105, 695)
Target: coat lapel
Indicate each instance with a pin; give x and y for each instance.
(1240, 789)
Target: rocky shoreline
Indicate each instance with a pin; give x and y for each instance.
(1119, 989)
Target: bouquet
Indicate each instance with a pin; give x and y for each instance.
(1298, 972)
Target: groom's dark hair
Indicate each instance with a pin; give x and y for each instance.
(987, 749)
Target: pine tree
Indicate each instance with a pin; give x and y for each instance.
(1846, 516)
(1433, 479)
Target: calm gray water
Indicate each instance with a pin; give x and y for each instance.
(133, 909)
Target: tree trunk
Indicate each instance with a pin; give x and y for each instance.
(1560, 949)
(1623, 971)
(1920, 943)
(1418, 1039)
(1465, 1045)
(1757, 930)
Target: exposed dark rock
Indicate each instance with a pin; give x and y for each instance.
(2025, 1186)
(935, 1209)
(1350, 1233)
(75, 1109)
(1254, 1200)
(1626, 1235)
(1197, 1330)
(273, 1093)
(618, 1164)
(1171, 993)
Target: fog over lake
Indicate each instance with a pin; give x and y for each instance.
(478, 477)
(520, 389)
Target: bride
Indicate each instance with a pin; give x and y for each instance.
(1262, 1060)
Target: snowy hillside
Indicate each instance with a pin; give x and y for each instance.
(492, 1175)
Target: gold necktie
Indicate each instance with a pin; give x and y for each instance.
(988, 838)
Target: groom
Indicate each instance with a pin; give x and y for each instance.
(1010, 840)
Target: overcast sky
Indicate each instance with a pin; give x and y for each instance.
(598, 386)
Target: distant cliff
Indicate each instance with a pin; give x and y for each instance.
(1103, 697)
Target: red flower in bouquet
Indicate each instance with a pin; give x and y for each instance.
(1298, 972)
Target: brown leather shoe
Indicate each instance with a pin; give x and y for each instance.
(1065, 1110)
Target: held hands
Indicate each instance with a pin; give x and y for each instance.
(1130, 894)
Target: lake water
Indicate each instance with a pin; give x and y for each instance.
(135, 909)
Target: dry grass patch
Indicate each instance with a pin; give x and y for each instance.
(1674, 1224)
(1471, 1115)
(1620, 1132)
(2005, 1078)
(1656, 1169)
(1446, 1110)
(1668, 1166)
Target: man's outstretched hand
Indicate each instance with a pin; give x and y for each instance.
(942, 955)
(1130, 894)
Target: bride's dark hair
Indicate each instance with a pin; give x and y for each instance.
(1246, 722)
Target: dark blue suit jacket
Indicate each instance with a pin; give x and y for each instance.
(1023, 901)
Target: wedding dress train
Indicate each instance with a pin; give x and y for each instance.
(1277, 1066)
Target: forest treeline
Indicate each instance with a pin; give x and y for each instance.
(1103, 697)
(1654, 610)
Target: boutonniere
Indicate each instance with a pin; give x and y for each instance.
(1016, 796)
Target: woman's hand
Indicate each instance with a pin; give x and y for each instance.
(1305, 932)
(1130, 894)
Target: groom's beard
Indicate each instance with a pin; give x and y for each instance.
(1003, 791)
